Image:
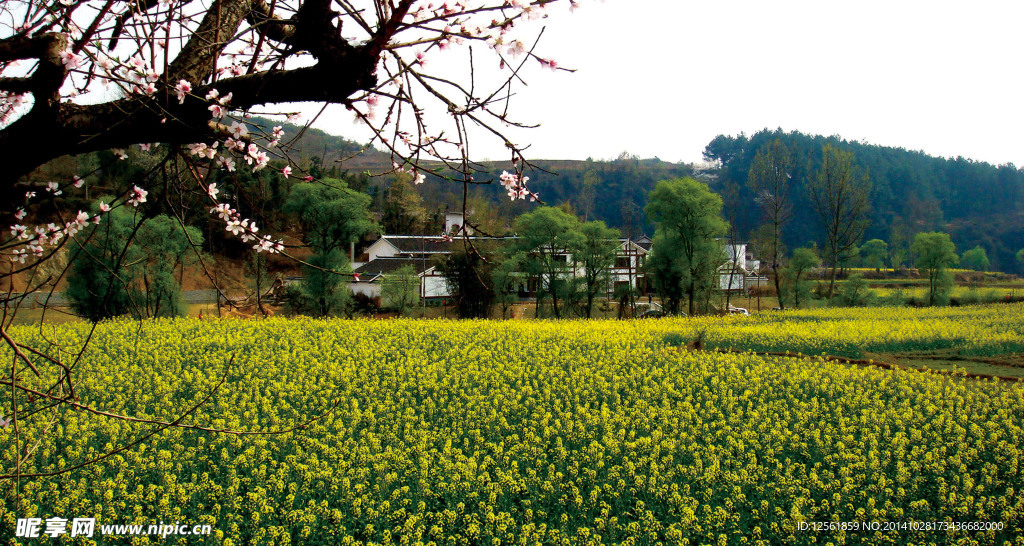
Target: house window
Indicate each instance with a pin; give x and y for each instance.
(622, 262)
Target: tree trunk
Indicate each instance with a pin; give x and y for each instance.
(778, 288)
(690, 293)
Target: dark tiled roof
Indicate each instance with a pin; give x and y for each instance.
(416, 244)
(383, 266)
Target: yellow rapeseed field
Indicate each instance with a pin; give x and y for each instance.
(538, 432)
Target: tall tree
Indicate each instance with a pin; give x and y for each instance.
(935, 253)
(688, 216)
(769, 180)
(468, 274)
(403, 212)
(332, 216)
(840, 194)
(594, 249)
(545, 236)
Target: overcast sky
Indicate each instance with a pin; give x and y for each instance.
(663, 77)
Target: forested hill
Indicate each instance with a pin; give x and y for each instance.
(976, 202)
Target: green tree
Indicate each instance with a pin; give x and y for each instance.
(508, 277)
(1020, 261)
(804, 260)
(331, 216)
(545, 236)
(840, 193)
(688, 219)
(404, 213)
(595, 249)
(468, 274)
(400, 289)
(769, 181)
(935, 253)
(166, 245)
(874, 252)
(975, 259)
(125, 265)
(855, 292)
(103, 280)
(899, 245)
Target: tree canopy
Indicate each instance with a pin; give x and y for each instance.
(688, 220)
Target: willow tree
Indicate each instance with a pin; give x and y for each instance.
(689, 224)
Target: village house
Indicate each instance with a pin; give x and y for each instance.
(392, 252)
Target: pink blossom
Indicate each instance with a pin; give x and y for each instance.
(516, 48)
(78, 182)
(224, 211)
(138, 196)
(71, 60)
(104, 207)
(20, 215)
(30, 194)
(227, 163)
(239, 130)
(120, 153)
(287, 171)
(52, 188)
(218, 110)
(212, 191)
(419, 178)
(183, 88)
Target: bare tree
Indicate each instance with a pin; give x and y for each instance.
(840, 193)
(769, 179)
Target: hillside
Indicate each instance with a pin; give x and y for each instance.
(975, 202)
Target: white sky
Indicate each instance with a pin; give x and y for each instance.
(663, 77)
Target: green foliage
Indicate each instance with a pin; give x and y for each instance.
(400, 289)
(594, 249)
(804, 260)
(688, 219)
(126, 265)
(978, 201)
(331, 214)
(855, 292)
(975, 259)
(935, 253)
(403, 208)
(874, 252)
(1019, 260)
(469, 278)
(508, 279)
(545, 236)
(323, 291)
